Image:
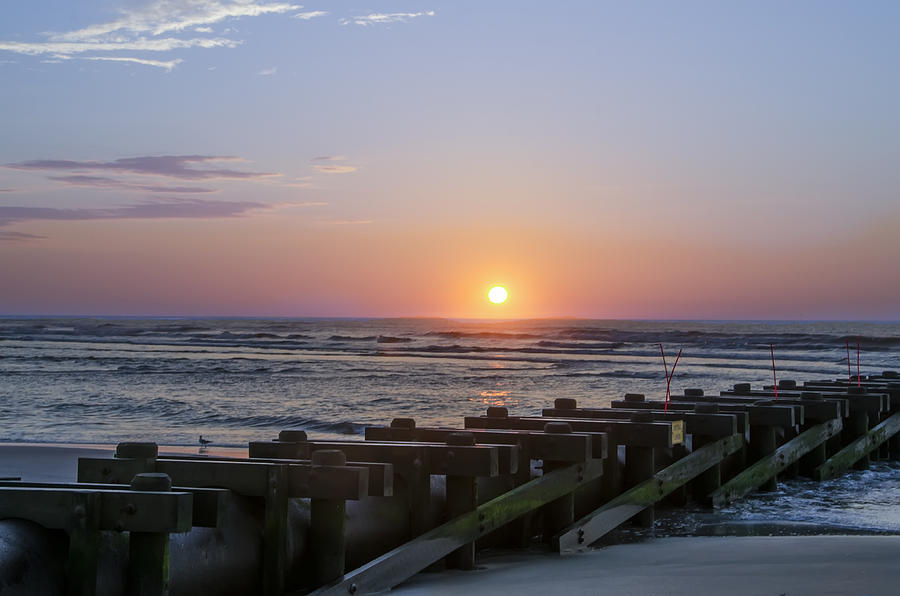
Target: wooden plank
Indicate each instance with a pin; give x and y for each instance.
(767, 467)
(721, 425)
(479, 460)
(571, 447)
(245, 477)
(641, 434)
(206, 505)
(781, 416)
(742, 415)
(381, 475)
(858, 449)
(118, 510)
(623, 507)
(405, 561)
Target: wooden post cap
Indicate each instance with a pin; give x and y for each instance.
(558, 428)
(787, 384)
(151, 481)
(329, 457)
(890, 374)
(643, 416)
(741, 387)
(404, 423)
(634, 397)
(134, 450)
(693, 392)
(856, 390)
(292, 435)
(706, 408)
(497, 412)
(565, 403)
(461, 439)
(811, 395)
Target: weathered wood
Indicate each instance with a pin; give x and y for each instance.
(84, 543)
(206, 503)
(720, 425)
(116, 509)
(148, 552)
(741, 414)
(327, 528)
(245, 477)
(275, 531)
(763, 442)
(639, 466)
(594, 526)
(769, 466)
(381, 475)
(709, 481)
(644, 434)
(853, 452)
(572, 447)
(405, 561)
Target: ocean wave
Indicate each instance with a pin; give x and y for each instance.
(344, 427)
(352, 338)
(387, 339)
(481, 334)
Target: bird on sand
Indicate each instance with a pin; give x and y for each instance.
(204, 441)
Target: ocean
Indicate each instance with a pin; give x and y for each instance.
(105, 380)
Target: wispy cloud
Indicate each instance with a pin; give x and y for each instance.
(113, 183)
(164, 16)
(163, 208)
(7, 236)
(152, 27)
(266, 72)
(7, 190)
(329, 158)
(305, 16)
(168, 65)
(335, 169)
(171, 166)
(347, 222)
(380, 18)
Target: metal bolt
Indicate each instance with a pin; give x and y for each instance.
(352, 589)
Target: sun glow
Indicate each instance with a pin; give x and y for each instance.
(498, 295)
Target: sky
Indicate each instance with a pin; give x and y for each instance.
(652, 160)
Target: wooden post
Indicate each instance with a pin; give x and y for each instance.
(148, 552)
(762, 443)
(84, 546)
(559, 513)
(328, 520)
(710, 480)
(275, 531)
(462, 497)
(639, 466)
(857, 426)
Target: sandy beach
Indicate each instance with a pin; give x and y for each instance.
(761, 565)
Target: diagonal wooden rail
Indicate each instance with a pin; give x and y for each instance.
(595, 525)
(770, 465)
(846, 457)
(403, 562)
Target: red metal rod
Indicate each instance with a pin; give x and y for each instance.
(672, 374)
(849, 374)
(666, 368)
(772, 348)
(858, 384)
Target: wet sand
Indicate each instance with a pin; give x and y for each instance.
(752, 566)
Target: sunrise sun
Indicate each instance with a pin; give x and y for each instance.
(498, 295)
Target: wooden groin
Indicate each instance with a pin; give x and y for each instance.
(566, 477)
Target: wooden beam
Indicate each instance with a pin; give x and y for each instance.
(721, 425)
(622, 432)
(769, 466)
(620, 509)
(858, 449)
(403, 562)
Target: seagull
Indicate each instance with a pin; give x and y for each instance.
(204, 441)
